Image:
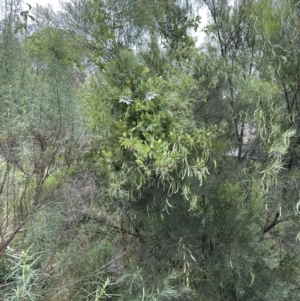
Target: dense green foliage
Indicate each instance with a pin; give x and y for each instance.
(137, 166)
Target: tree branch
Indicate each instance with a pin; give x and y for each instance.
(272, 224)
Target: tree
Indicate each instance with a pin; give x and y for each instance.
(221, 229)
(241, 94)
(185, 186)
(39, 143)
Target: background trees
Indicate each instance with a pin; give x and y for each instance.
(136, 166)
